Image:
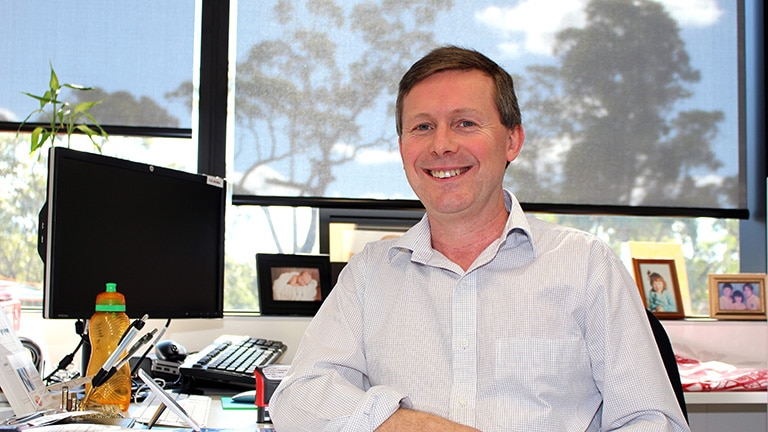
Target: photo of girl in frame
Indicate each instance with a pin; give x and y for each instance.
(658, 284)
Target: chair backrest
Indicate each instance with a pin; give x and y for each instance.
(668, 356)
(34, 351)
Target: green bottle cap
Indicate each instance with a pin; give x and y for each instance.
(110, 300)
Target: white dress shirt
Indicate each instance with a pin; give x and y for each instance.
(544, 332)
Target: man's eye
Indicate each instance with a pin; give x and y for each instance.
(422, 127)
(466, 123)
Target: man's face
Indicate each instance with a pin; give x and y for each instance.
(453, 145)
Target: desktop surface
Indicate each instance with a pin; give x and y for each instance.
(219, 418)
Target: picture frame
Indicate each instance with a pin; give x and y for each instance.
(662, 250)
(748, 304)
(659, 287)
(345, 231)
(292, 285)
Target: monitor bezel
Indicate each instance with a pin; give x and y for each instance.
(47, 236)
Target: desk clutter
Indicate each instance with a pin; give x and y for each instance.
(197, 408)
(170, 389)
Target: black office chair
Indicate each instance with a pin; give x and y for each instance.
(668, 356)
(34, 351)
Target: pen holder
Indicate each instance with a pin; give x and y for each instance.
(105, 330)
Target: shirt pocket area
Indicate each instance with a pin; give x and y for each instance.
(537, 379)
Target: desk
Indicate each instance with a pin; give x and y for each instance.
(700, 406)
(727, 411)
(231, 419)
(726, 397)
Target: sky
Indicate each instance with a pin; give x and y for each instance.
(158, 56)
(521, 33)
(154, 60)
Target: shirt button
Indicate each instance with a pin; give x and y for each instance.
(463, 402)
(464, 343)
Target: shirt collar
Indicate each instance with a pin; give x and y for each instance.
(517, 219)
(418, 239)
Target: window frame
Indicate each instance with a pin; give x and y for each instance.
(752, 225)
(212, 136)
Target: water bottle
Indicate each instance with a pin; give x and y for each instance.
(107, 325)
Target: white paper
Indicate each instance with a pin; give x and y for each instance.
(20, 380)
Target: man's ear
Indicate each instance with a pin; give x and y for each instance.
(515, 139)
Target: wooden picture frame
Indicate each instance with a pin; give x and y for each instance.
(663, 250)
(659, 287)
(737, 296)
(292, 285)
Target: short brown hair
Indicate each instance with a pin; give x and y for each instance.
(456, 58)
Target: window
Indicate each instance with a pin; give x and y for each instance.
(140, 64)
(141, 68)
(624, 103)
(310, 122)
(630, 108)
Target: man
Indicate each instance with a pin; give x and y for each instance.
(477, 318)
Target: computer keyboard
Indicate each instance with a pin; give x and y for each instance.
(231, 360)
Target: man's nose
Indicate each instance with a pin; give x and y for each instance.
(444, 141)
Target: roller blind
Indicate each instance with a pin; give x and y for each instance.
(626, 104)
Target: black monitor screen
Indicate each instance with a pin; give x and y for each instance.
(157, 233)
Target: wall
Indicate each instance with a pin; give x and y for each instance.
(58, 337)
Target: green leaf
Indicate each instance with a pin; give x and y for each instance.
(35, 141)
(40, 98)
(86, 129)
(83, 107)
(78, 87)
(46, 99)
(90, 133)
(45, 136)
(102, 132)
(63, 117)
(54, 84)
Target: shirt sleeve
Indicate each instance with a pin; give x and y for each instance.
(326, 388)
(628, 369)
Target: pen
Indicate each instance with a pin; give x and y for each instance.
(106, 369)
(127, 357)
(143, 340)
(102, 375)
(24, 419)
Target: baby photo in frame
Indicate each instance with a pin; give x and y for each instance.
(658, 284)
(292, 284)
(737, 296)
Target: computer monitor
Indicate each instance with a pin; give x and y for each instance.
(157, 233)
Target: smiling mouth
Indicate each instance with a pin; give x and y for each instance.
(443, 174)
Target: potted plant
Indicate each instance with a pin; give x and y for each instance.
(63, 117)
